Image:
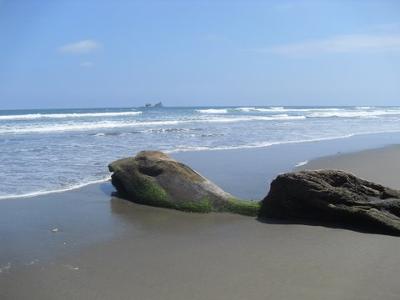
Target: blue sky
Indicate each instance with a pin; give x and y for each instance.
(126, 53)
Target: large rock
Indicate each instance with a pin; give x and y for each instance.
(328, 195)
(153, 178)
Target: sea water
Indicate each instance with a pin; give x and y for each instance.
(43, 151)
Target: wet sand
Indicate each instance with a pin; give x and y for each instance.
(108, 248)
(377, 165)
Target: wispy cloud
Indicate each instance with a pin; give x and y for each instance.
(80, 47)
(338, 44)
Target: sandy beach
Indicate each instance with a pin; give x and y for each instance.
(86, 244)
(200, 150)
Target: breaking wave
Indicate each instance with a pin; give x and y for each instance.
(87, 126)
(212, 111)
(69, 115)
(53, 150)
(354, 114)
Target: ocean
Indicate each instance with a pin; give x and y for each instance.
(43, 151)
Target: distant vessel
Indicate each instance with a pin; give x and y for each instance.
(157, 105)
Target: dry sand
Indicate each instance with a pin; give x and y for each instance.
(112, 249)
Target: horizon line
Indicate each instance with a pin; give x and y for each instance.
(193, 106)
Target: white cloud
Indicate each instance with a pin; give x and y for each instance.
(80, 47)
(87, 64)
(339, 44)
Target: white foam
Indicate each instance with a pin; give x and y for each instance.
(193, 148)
(314, 109)
(258, 109)
(268, 144)
(245, 109)
(69, 115)
(71, 267)
(282, 117)
(5, 268)
(212, 111)
(274, 109)
(364, 107)
(82, 126)
(302, 163)
(87, 126)
(256, 145)
(45, 192)
(354, 114)
(32, 262)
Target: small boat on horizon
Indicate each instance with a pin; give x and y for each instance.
(157, 105)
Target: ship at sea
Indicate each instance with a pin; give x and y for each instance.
(157, 105)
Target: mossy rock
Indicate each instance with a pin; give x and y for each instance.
(243, 207)
(153, 178)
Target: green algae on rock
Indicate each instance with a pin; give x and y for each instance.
(153, 178)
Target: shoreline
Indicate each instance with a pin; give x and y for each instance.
(105, 247)
(365, 141)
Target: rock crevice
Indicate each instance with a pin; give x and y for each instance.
(331, 195)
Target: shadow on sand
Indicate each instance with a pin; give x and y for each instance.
(151, 216)
(356, 227)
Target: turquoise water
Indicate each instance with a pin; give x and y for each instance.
(49, 150)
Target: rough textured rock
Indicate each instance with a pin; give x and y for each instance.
(153, 178)
(329, 195)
